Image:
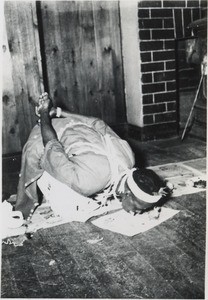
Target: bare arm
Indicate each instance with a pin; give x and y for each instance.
(47, 130)
(46, 111)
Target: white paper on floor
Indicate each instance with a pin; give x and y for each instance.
(186, 185)
(184, 178)
(44, 217)
(127, 224)
(182, 175)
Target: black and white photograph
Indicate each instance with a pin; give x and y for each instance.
(104, 147)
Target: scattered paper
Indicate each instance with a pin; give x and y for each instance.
(127, 224)
(44, 217)
(186, 185)
(183, 176)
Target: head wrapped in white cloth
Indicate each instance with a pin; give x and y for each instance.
(142, 189)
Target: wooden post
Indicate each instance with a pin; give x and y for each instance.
(22, 32)
(131, 62)
(10, 124)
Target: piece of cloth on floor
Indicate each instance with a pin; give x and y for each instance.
(44, 217)
(69, 205)
(10, 220)
(61, 205)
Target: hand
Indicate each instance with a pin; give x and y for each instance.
(167, 190)
(45, 104)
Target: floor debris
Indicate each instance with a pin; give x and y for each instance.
(95, 241)
(52, 262)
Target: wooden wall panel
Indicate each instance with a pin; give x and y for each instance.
(108, 46)
(52, 47)
(23, 40)
(10, 124)
(118, 72)
(83, 57)
(81, 54)
(104, 59)
(69, 51)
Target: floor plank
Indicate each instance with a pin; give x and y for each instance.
(136, 277)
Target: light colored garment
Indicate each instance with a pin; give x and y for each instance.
(70, 205)
(79, 159)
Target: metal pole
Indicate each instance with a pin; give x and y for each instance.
(192, 108)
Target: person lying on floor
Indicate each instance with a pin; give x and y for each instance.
(88, 156)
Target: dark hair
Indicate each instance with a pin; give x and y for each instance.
(148, 181)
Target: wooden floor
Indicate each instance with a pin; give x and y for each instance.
(167, 262)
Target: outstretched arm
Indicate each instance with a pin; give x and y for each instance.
(47, 111)
(61, 113)
(47, 130)
(57, 112)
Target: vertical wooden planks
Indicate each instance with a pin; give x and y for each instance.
(21, 26)
(83, 55)
(10, 126)
(104, 58)
(108, 47)
(117, 61)
(70, 36)
(88, 67)
(81, 40)
(53, 51)
(70, 54)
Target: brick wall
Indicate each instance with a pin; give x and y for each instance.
(160, 22)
